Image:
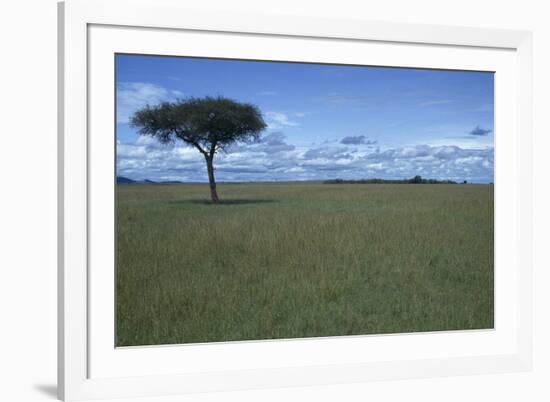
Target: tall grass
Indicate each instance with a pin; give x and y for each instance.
(301, 260)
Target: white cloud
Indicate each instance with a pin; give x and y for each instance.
(328, 153)
(464, 141)
(132, 96)
(276, 120)
(273, 158)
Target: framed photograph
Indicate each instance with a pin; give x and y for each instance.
(254, 201)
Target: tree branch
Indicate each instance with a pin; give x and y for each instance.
(185, 138)
(213, 149)
(196, 145)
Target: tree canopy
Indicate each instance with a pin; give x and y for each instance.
(209, 124)
(205, 123)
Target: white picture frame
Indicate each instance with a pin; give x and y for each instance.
(90, 367)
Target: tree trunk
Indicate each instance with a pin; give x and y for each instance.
(211, 179)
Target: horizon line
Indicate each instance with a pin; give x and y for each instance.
(149, 181)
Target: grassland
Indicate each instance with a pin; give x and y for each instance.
(301, 260)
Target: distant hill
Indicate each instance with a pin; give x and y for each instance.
(125, 180)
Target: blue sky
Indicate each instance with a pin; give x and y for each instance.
(324, 121)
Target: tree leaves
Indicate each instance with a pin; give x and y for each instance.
(208, 124)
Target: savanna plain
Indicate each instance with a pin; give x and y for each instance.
(301, 259)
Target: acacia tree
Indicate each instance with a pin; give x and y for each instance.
(208, 124)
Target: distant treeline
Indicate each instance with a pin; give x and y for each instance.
(414, 180)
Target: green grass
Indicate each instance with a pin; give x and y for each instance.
(301, 260)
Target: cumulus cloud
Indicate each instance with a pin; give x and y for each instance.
(357, 140)
(277, 120)
(132, 96)
(274, 158)
(271, 143)
(276, 138)
(480, 131)
(332, 153)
